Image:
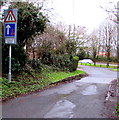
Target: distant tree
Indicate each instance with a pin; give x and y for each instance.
(94, 44)
(79, 35)
(113, 12)
(108, 36)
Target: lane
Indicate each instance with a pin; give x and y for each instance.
(80, 99)
(98, 75)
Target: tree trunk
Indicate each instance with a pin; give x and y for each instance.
(108, 56)
(33, 54)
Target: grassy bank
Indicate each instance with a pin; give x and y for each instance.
(97, 65)
(29, 82)
(115, 69)
(57, 76)
(117, 109)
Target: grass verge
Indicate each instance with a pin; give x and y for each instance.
(115, 69)
(117, 109)
(97, 65)
(57, 76)
(32, 81)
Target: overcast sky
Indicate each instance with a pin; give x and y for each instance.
(80, 12)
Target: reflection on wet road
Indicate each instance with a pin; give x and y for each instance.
(91, 90)
(62, 109)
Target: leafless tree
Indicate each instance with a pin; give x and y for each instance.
(94, 45)
(108, 30)
(113, 11)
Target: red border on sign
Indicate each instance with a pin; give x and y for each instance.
(12, 15)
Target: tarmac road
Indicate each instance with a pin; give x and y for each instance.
(79, 99)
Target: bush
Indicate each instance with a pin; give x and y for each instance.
(76, 58)
(35, 64)
(65, 62)
(19, 58)
(104, 59)
(117, 109)
(61, 61)
(114, 59)
(74, 64)
(81, 53)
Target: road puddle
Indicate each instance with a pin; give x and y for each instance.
(91, 90)
(62, 109)
(67, 89)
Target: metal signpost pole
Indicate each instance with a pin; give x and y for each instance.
(9, 75)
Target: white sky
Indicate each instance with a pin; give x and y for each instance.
(81, 12)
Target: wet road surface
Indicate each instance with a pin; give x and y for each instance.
(80, 99)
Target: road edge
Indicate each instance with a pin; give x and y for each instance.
(111, 100)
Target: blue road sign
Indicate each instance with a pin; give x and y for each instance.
(9, 30)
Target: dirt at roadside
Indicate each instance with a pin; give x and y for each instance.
(111, 100)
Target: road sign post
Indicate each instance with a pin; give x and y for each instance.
(10, 32)
(9, 74)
